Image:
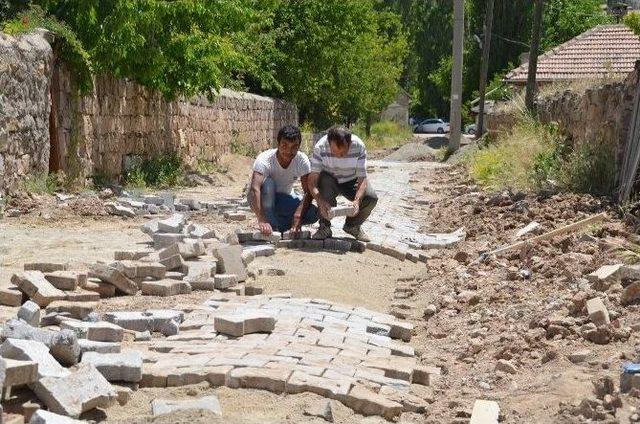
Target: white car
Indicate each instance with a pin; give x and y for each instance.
(432, 126)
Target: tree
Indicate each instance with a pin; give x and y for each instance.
(337, 60)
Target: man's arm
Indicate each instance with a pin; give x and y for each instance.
(361, 185)
(323, 205)
(255, 194)
(304, 205)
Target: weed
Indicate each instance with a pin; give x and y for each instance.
(160, 171)
(240, 147)
(206, 167)
(384, 134)
(42, 183)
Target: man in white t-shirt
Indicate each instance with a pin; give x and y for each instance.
(271, 195)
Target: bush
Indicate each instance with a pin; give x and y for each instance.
(514, 159)
(159, 172)
(534, 156)
(384, 134)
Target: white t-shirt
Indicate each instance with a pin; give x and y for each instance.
(267, 164)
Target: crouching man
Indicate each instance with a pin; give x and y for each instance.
(339, 166)
(271, 194)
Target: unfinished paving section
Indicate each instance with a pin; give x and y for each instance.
(289, 345)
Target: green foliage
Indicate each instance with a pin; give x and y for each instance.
(241, 147)
(42, 183)
(385, 134)
(160, 171)
(632, 20)
(67, 44)
(337, 60)
(536, 156)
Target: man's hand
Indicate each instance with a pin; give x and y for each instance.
(265, 228)
(324, 207)
(356, 207)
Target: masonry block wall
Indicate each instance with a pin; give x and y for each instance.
(121, 118)
(92, 134)
(25, 65)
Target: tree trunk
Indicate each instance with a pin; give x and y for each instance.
(533, 56)
(486, 48)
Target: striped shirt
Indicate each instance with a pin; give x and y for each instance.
(350, 167)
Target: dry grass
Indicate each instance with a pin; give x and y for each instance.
(578, 86)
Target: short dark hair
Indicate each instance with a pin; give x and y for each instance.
(290, 132)
(339, 135)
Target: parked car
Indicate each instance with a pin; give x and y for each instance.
(432, 126)
(470, 129)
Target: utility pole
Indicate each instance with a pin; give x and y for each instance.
(456, 75)
(486, 48)
(533, 56)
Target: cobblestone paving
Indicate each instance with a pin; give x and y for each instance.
(391, 222)
(350, 354)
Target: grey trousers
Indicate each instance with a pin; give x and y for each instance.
(330, 189)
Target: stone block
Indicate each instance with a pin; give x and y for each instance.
(17, 372)
(253, 291)
(65, 280)
(401, 330)
(229, 325)
(224, 281)
(271, 379)
(205, 284)
(366, 402)
(104, 290)
(100, 331)
(161, 240)
(597, 311)
(30, 313)
(174, 224)
(606, 273)
(128, 255)
(83, 389)
(38, 352)
(248, 257)
(113, 276)
(337, 245)
(165, 288)
(333, 388)
(100, 347)
(124, 366)
(426, 375)
(166, 406)
(230, 261)
(173, 262)
(191, 248)
(485, 412)
(34, 285)
(140, 269)
(235, 216)
(301, 235)
(341, 211)
(135, 321)
(409, 401)
(200, 231)
(119, 210)
(11, 296)
(258, 323)
(83, 295)
(78, 310)
(63, 344)
(261, 250)
(45, 417)
(150, 228)
(46, 266)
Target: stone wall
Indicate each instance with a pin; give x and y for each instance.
(97, 132)
(599, 114)
(596, 115)
(46, 126)
(25, 65)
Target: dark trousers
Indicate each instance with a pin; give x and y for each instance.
(330, 189)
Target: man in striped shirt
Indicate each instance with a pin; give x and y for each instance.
(339, 166)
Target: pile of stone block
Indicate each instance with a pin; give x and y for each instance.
(128, 205)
